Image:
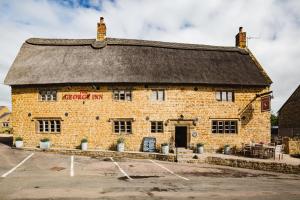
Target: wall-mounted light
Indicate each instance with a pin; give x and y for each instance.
(29, 114)
(97, 117)
(66, 114)
(147, 118)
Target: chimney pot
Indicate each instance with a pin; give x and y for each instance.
(101, 30)
(240, 38)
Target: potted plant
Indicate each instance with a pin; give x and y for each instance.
(19, 142)
(226, 149)
(200, 148)
(44, 143)
(120, 144)
(165, 148)
(84, 144)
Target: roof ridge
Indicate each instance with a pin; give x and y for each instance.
(130, 42)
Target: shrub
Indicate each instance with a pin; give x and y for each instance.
(226, 145)
(45, 140)
(84, 140)
(120, 140)
(19, 139)
(164, 144)
(200, 145)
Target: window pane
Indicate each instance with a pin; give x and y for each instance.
(128, 95)
(160, 127)
(224, 98)
(227, 126)
(52, 125)
(128, 127)
(122, 95)
(57, 126)
(154, 95)
(46, 126)
(214, 126)
(116, 127)
(220, 127)
(41, 126)
(160, 95)
(229, 96)
(218, 96)
(116, 95)
(122, 126)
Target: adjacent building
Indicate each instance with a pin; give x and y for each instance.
(4, 119)
(289, 116)
(106, 88)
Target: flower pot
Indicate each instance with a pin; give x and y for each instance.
(227, 150)
(200, 149)
(19, 144)
(120, 147)
(44, 145)
(84, 146)
(165, 150)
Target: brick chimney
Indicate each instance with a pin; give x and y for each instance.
(240, 39)
(101, 30)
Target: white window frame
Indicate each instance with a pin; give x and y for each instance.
(155, 126)
(224, 126)
(225, 96)
(48, 95)
(45, 125)
(158, 95)
(122, 95)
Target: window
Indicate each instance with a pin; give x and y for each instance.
(5, 124)
(49, 126)
(48, 95)
(225, 96)
(122, 127)
(220, 126)
(122, 95)
(157, 127)
(158, 95)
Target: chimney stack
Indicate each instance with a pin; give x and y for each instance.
(101, 30)
(240, 39)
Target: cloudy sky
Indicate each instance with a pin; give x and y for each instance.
(273, 28)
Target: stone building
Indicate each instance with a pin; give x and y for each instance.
(105, 88)
(289, 116)
(4, 119)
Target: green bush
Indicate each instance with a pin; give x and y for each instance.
(200, 145)
(164, 144)
(120, 140)
(226, 145)
(19, 139)
(45, 140)
(84, 140)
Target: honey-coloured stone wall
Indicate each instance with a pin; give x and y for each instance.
(93, 118)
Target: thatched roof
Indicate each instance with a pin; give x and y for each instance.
(51, 61)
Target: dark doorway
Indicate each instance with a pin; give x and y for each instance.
(181, 136)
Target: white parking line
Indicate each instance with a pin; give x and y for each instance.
(169, 170)
(125, 174)
(72, 166)
(13, 169)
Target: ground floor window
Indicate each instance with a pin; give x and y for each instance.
(224, 126)
(157, 127)
(123, 126)
(49, 126)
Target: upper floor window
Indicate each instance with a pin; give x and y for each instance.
(225, 96)
(122, 95)
(157, 127)
(48, 95)
(49, 126)
(122, 126)
(224, 126)
(158, 95)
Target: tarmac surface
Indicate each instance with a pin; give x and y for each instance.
(39, 175)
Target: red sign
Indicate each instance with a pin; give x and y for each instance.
(266, 103)
(82, 96)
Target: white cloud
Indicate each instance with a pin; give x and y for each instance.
(215, 22)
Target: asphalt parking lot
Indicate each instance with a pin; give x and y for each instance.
(39, 175)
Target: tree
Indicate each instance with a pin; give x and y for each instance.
(274, 120)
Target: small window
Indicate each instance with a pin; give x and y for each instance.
(49, 126)
(225, 96)
(158, 95)
(122, 127)
(48, 95)
(157, 127)
(224, 126)
(122, 95)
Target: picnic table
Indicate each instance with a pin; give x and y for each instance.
(258, 150)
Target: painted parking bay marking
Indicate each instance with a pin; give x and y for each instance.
(123, 172)
(72, 166)
(13, 169)
(169, 170)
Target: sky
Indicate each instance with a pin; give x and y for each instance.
(272, 26)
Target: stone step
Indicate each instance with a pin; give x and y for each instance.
(184, 151)
(190, 156)
(190, 160)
